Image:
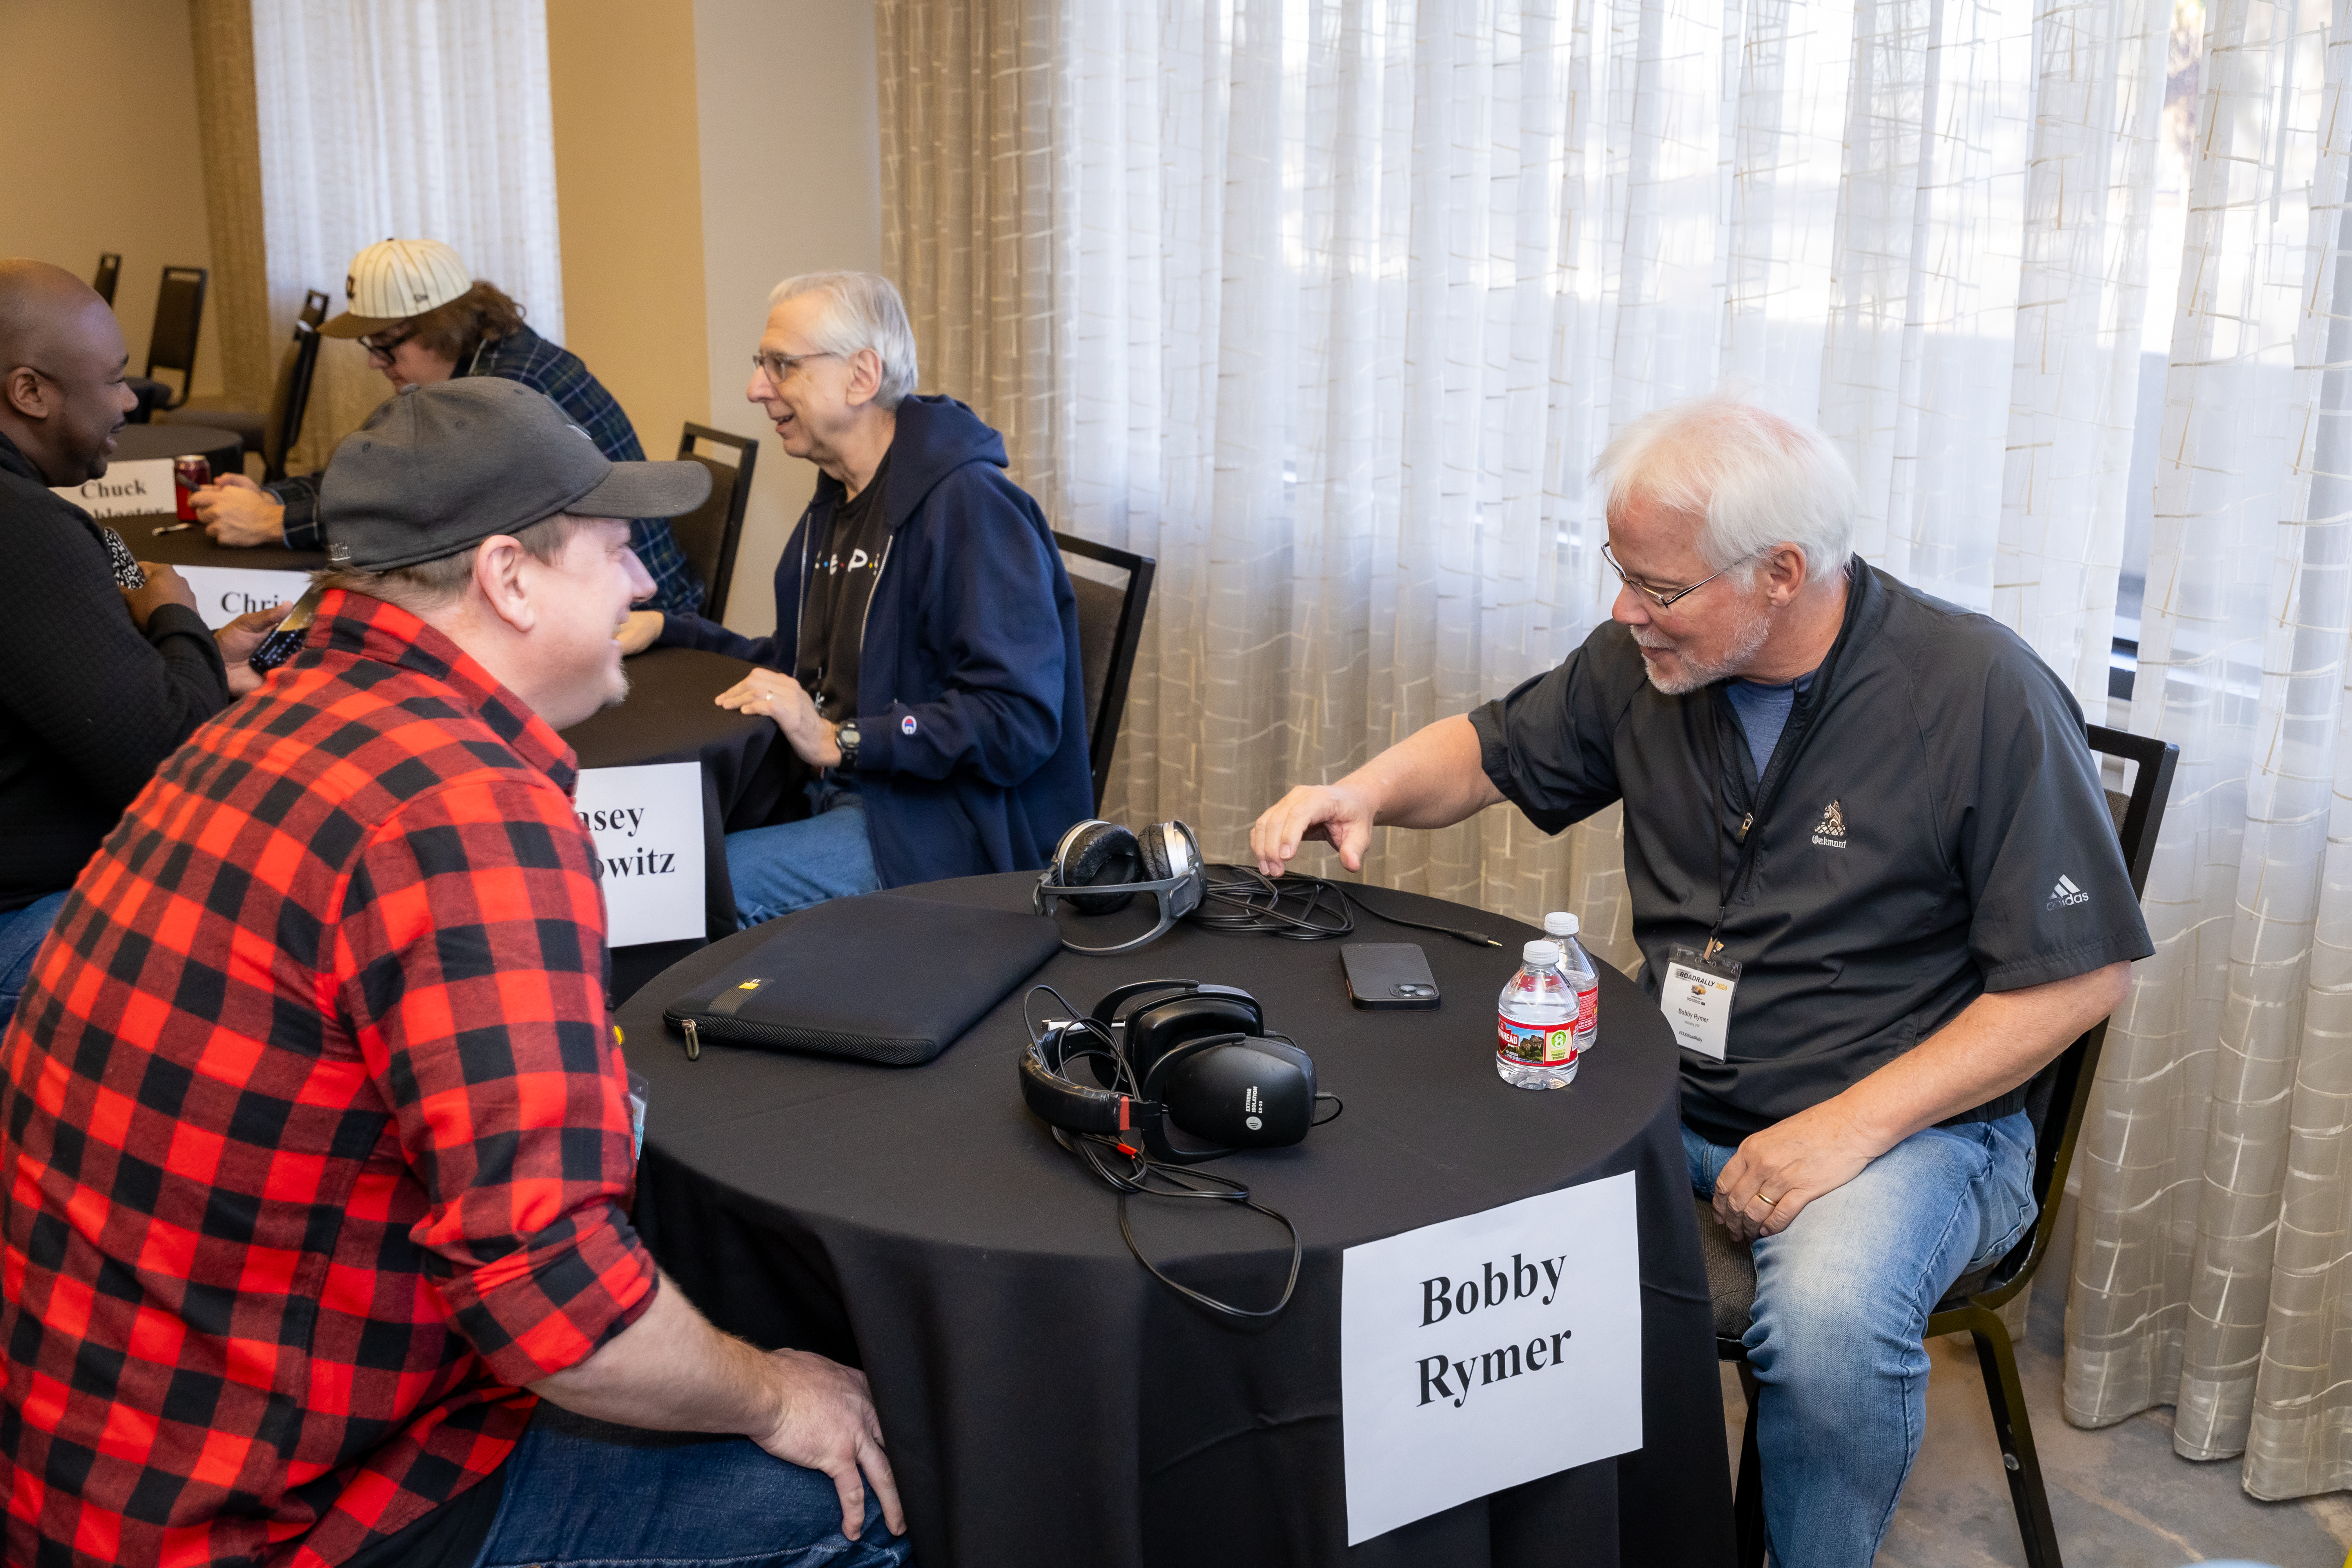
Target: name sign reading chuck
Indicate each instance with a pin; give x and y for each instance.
(139, 488)
(1489, 1351)
(646, 823)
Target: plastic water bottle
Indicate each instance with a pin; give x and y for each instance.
(1582, 978)
(1535, 1037)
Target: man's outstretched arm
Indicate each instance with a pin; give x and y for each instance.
(1432, 778)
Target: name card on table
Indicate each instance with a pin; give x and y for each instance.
(647, 824)
(139, 488)
(1489, 1351)
(224, 593)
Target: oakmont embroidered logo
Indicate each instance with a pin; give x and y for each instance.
(1830, 831)
(2066, 894)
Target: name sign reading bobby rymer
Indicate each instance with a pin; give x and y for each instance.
(647, 824)
(1487, 1351)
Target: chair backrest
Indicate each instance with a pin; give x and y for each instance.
(1110, 629)
(289, 400)
(709, 533)
(179, 316)
(110, 273)
(314, 309)
(2059, 1093)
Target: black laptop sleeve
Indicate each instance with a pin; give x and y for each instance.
(877, 979)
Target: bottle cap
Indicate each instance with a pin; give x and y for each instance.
(1559, 922)
(1541, 954)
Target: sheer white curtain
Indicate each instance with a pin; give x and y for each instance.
(412, 119)
(2211, 1269)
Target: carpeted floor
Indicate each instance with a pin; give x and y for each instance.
(2120, 1495)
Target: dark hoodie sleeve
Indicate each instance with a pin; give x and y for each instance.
(693, 631)
(112, 702)
(298, 494)
(993, 599)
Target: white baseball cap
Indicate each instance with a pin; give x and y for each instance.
(396, 279)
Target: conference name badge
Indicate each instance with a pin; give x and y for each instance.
(1697, 999)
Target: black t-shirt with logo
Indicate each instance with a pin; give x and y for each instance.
(1936, 830)
(841, 583)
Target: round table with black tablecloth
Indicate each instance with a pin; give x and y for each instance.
(224, 448)
(751, 776)
(1045, 1401)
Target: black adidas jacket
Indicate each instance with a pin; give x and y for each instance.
(1934, 828)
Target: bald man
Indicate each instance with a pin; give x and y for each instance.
(104, 682)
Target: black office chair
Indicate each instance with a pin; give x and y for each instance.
(271, 432)
(2054, 1102)
(172, 344)
(709, 533)
(110, 273)
(1110, 629)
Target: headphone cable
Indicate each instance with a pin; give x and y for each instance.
(1258, 903)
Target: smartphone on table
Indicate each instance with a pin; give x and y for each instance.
(1389, 975)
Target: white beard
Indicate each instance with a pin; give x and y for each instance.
(1744, 644)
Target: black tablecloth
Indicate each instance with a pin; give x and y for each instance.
(225, 448)
(194, 547)
(751, 776)
(1044, 1399)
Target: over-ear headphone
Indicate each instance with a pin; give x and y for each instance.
(1100, 866)
(1196, 1060)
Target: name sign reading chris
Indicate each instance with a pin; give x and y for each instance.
(141, 489)
(224, 593)
(1489, 1351)
(647, 824)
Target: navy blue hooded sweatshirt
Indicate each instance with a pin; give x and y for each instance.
(970, 702)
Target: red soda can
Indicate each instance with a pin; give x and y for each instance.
(189, 475)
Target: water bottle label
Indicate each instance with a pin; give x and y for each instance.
(1528, 1045)
(1588, 1009)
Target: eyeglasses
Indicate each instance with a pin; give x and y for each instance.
(1663, 600)
(380, 346)
(776, 366)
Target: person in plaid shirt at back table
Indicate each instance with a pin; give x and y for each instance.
(423, 319)
(316, 1135)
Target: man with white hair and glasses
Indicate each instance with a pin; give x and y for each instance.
(925, 662)
(1867, 824)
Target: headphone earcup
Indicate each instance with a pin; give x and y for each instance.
(1096, 853)
(1153, 846)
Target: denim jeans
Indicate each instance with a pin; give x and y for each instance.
(581, 1492)
(793, 865)
(1842, 1300)
(21, 933)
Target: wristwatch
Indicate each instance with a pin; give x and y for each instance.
(844, 735)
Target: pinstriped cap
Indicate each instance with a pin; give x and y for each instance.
(438, 469)
(394, 281)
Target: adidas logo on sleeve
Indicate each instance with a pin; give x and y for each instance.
(2066, 894)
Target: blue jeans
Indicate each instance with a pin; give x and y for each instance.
(794, 865)
(581, 1492)
(21, 933)
(1841, 1302)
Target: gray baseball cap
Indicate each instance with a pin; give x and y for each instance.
(437, 470)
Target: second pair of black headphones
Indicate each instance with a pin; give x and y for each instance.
(1192, 1057)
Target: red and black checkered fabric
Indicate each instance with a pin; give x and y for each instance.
(315, 1138)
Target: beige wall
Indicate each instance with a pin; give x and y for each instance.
(102, 95)
(629, 204)
(791, 182)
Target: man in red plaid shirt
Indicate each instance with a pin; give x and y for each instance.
(316, 1140)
